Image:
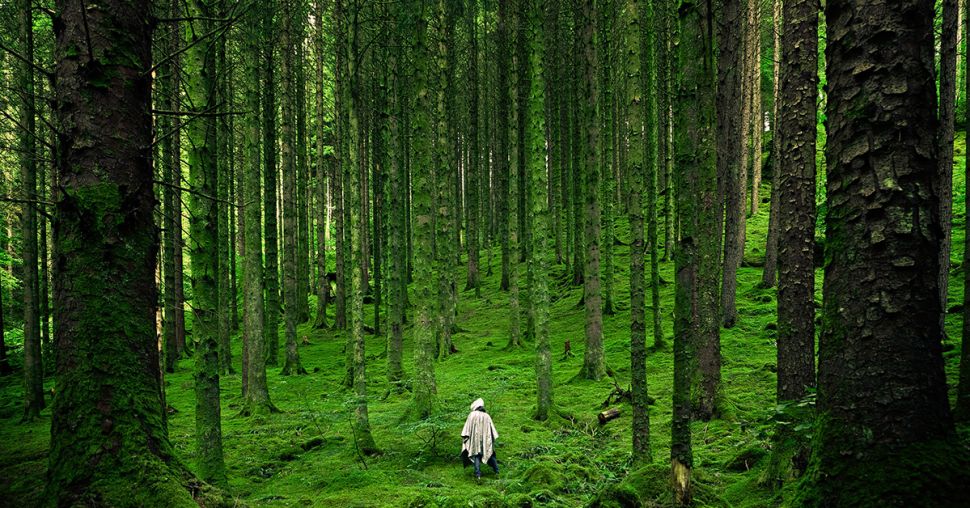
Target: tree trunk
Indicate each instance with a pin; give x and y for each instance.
(962, 410)
(594, 366)
(796, 197)
(541, 221)
(204, 222)
(696, 340)
(472, 184)
(635, 38)
(33, 366)
(256, 398)
(107, 427)
(223, 243)
(172, 209)
(423, 185)
(948, 88)
(732, 106)
(291, 245)
(502, 148)
(270, 174)
(882, 390)
(322, 162)
(757, 115)
(770, 271)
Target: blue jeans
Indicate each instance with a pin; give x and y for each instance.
(477, 461)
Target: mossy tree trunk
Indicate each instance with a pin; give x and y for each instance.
(696, 344)
(472, 184)
(255, 388)
(204, 222)
(881, 386)
(730, 77)
(594, 366)
(397, 216)
(503, 100)
(962, 410)
(107, 428)
(636, 135)
(423, 227)
(322, 164)
(541, 221)
(270, 173)
(223, 241)
(289, 147)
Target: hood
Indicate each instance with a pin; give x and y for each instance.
(477, 404)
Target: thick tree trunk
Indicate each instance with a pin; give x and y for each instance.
(423, 185)
(882, 390)
(696, 330)
(107, 430)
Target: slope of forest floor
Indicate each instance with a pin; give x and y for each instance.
(305, 455)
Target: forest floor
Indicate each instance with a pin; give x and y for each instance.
(305, 455)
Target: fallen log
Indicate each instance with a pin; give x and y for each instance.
(609, 414)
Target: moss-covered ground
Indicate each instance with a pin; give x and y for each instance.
(305, 455)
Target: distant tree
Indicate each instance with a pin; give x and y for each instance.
(594, 366)
(289, 147)
(770, 272)
(33, 366)
(733, 100)
(270, 38)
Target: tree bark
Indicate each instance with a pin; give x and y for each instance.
(594, 366)
(948, 88)
(204, 223)
(696, 331)
(770, 271)
(107, 426)
(796, 200)
(33, 366)
(882, 390)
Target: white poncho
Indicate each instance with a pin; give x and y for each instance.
(479, 433)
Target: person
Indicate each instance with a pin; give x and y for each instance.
(478, 439)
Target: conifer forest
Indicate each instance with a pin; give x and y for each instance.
(267, 253)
